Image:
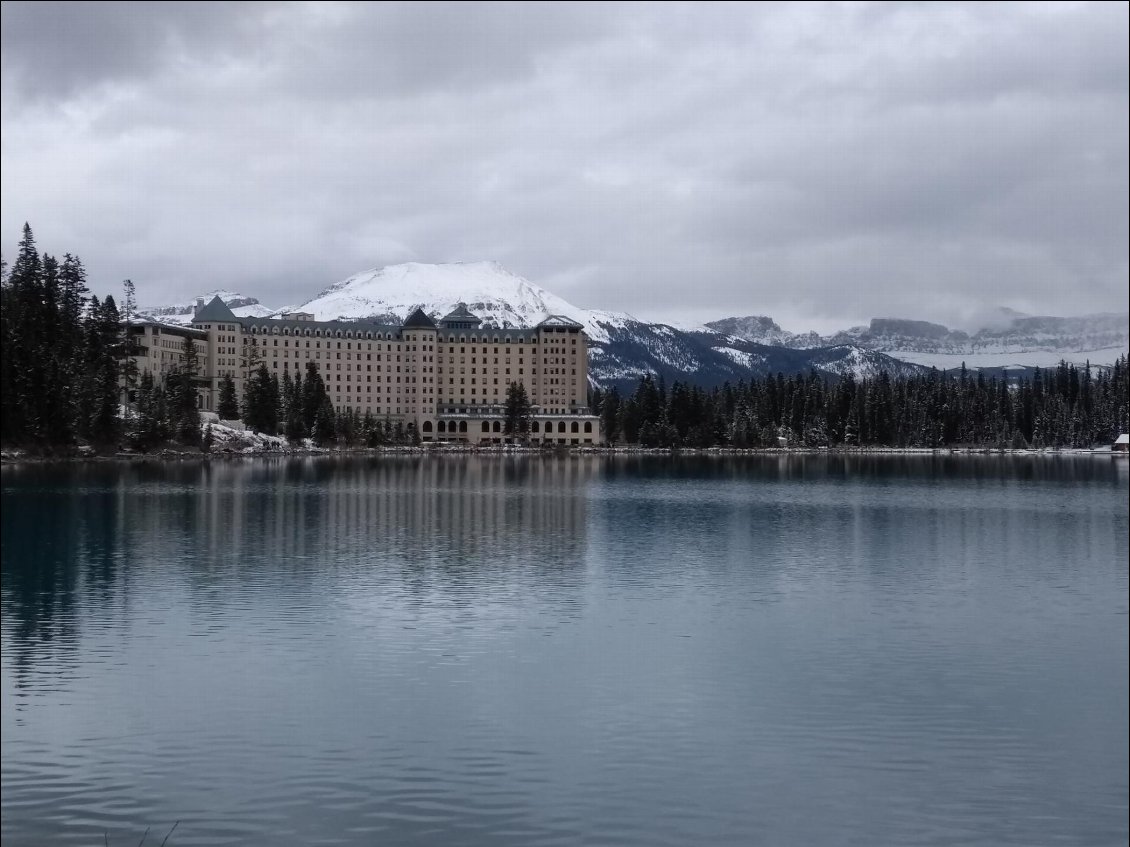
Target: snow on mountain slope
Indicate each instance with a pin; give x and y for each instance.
(1009, 339)
(622, 348)
(761, 329)
(1010, 360)
(501, 299)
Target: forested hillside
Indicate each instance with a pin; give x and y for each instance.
(1061, 407)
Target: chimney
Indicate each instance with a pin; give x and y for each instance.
(199, 306)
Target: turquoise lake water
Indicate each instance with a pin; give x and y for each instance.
(793, 650)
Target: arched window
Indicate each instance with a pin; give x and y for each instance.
(427, 426)
(561, 426)
(462, 426)
(535, 426)
(486, 426)
(498, 426)
(441, 426)
(588, 426)
(574, 427)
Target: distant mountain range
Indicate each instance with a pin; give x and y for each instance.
(623, 347)
(1012, 340)
(181, 313)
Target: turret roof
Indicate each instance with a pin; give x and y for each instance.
(217, 310)
(462, 314)
(419, 320)
(560, 320)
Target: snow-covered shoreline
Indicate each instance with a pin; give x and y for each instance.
(12, 457)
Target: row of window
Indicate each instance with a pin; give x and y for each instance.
(427, 348)
(369, 335)
(496, 426)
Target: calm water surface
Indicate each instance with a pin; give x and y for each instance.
(492, 651)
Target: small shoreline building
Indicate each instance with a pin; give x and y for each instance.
(1121, 444)
(447, 380)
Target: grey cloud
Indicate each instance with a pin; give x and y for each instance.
(56, 50)
(404, 49)
(694, 161)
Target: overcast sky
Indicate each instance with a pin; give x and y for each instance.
(818, 163)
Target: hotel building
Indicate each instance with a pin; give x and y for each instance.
(448, 380)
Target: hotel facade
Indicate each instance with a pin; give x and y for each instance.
(447, 380)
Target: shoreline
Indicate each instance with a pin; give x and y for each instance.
(16, 457)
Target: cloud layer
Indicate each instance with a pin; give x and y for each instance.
(819, 163)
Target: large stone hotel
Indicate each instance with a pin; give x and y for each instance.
(448, 380)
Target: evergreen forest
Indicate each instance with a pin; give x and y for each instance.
(66, 379)
(1064, 406)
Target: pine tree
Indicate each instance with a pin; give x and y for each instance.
(181, 388)
(372, 433)
(71, 353)
(129, 374)
(324, 431)
(518, 411)
(261, 402)
(151, 427)
(24, 352)
(610, 415)
(313, 395)
(294, 426)
(103, 372)
(227, 407)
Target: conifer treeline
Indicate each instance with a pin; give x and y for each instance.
(1057, 407)
(60, 354)
(64, 371)
(300, 407)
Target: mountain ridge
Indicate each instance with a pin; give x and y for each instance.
(1013, 340)
(623, 348)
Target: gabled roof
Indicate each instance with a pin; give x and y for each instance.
(217, 310)
(419, 320)
(170, 329)
(1122, 439)
(461, 314)
(560, 320)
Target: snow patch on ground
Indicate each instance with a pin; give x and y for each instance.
(235, 437)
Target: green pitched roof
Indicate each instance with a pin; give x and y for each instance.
(419, 320)
(461, 314)
(217, 310)
(560, 320)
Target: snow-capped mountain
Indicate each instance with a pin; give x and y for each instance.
(764, 330)
(622, 347)
(181, 314)
(1010, 340)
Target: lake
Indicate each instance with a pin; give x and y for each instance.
(770, 650)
